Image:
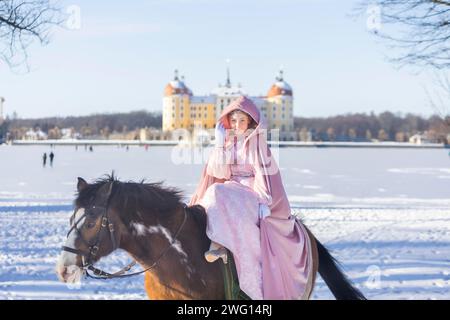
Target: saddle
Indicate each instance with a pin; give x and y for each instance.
(231, 280)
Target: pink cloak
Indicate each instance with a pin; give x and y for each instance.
(273, 255)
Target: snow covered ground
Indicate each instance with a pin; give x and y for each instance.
(384, 213)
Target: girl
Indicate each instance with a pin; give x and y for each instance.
(248, 211)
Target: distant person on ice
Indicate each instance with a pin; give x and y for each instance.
(52, 156)
(44, 159)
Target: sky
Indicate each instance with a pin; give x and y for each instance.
(119, 56)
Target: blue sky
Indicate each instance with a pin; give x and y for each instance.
(125, 53)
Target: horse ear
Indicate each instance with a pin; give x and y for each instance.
(82, 184)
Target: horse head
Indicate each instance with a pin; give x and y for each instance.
(93, 232)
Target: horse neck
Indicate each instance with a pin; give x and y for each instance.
(145, 242)
(180, 263)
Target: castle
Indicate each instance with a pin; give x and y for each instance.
(182, 109)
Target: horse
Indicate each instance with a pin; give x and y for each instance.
(164, 236)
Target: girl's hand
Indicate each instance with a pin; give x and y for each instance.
(219, 135)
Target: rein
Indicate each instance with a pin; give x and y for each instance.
(93, 248)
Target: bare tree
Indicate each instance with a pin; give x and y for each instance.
(21, 23)
(419, 28)
(439, 97)
(419, 31)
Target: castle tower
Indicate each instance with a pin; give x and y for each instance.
(225, 94)
(176, 103)
(279, 105)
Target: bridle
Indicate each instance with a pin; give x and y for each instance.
(87, 257)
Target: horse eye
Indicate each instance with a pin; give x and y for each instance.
(90, 225)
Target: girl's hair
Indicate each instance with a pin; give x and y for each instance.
(251, 125)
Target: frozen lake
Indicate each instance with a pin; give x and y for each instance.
(334, 176)
(384, 213)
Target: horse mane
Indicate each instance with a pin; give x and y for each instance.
(140, 199)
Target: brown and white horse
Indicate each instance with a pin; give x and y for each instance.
(165, 237)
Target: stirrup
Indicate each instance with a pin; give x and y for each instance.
(213, 255)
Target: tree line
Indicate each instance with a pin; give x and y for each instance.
(386, 126)
(90, 126)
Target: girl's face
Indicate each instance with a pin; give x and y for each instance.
(239, 122)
